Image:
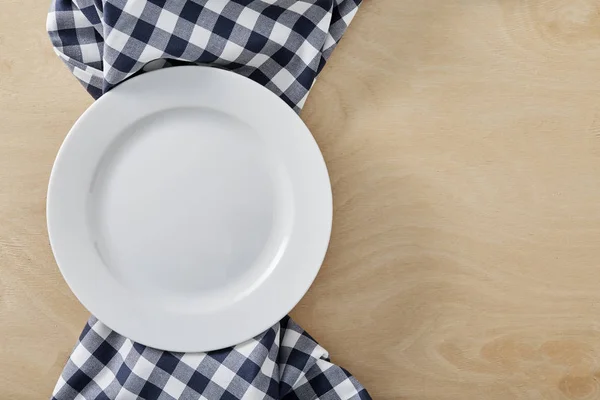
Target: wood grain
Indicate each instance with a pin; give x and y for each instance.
(462, 139)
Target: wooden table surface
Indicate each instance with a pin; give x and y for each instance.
(463, 142)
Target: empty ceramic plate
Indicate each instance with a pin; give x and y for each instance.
(189, 209)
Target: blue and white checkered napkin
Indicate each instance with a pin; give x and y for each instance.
(281, 44)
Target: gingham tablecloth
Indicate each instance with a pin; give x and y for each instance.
(281, 44)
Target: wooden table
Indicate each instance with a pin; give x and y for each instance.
(463, 143)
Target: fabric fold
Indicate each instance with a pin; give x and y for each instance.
(281, 44)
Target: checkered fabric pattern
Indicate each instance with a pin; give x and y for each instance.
(281, 363)
(281, 44)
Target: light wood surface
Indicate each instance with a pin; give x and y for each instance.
(462, 139)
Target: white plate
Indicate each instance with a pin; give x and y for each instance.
(189, 209)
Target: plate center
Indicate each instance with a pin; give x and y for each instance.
(188, 200)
